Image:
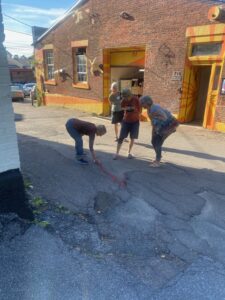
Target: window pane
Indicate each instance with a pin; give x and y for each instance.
(50, 72)
(81, 65)
(82, 77)
(49, 64)
(206, 49)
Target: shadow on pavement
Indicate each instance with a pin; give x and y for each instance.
(18, 117)
(186, 152)
(155, 227)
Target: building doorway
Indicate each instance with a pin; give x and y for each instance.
(125, 66)
(203, 76)
(200, 94)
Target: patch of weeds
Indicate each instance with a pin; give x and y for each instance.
(43, 224)
(61, 209)
(27, 184)
(37, 212)
(38, 202)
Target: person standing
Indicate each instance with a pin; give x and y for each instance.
(76, 129)
(116, 110)
(130, 124)
(163, 124)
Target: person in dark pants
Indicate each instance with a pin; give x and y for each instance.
(163, 124)
(130, 124)
(76, 129)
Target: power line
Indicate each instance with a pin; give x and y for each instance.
(18, 32)
(19, 48)
(17, 43)
(17, 20)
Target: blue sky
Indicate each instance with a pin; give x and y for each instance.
(32, 12)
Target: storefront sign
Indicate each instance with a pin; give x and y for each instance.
(176, 76)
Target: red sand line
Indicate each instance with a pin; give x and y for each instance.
(122, 183)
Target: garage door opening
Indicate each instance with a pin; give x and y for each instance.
(127, 68)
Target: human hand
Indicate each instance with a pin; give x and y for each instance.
(96, 161)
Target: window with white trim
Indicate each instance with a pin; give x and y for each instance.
(80, 68)
(49, 64)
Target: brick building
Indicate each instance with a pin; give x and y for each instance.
(21, 75)
(167, 49)
(12, 192)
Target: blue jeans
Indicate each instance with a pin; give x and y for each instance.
(76, 136)
(157, 142)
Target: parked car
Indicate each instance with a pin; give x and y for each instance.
(27, 88)
(17, 93)
(20, 85)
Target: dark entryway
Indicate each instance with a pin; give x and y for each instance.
(203, 76)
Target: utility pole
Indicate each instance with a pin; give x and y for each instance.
(12, 192)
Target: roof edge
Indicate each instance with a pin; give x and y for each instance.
(67, 14)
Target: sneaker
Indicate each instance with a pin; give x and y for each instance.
(130, 156)
(115, 157)
(116, 140)
(82, 161)
(155, 164)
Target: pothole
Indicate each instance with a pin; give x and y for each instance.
(104, 201)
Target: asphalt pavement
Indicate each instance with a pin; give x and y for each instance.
(161, 236)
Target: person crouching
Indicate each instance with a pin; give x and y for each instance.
(76, 129)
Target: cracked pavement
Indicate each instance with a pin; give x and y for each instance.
(160, 237)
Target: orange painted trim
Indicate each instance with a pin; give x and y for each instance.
(50, 82)
(48, 47)
(83, 104)
(84, 86)
(62, 99)
(82, 43)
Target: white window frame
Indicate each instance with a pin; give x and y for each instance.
(80, 68)
(49, 64)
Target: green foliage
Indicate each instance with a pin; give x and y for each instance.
(43, 224)
(38, 202)
(61, 209)
(27, 183)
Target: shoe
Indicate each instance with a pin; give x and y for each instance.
(82, 161)
(115, 157)
(126, 140)
(130, 156)
(116, 140)
(155, 164)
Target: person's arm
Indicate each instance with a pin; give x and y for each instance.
(123, 105)
(91, 147)
(159, 115)
(128, 107)
(111, 101)
(137, 106)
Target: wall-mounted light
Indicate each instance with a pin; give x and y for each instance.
(124, 15)
(94, 18)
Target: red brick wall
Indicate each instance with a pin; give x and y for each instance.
(156, 23)
(22, 75)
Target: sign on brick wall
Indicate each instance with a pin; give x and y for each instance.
(176, 76)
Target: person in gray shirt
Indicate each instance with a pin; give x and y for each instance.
(117, 112)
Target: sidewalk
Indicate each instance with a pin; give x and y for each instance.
(160, 237)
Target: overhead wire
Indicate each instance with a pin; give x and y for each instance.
(16, 20)
(18, 32)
